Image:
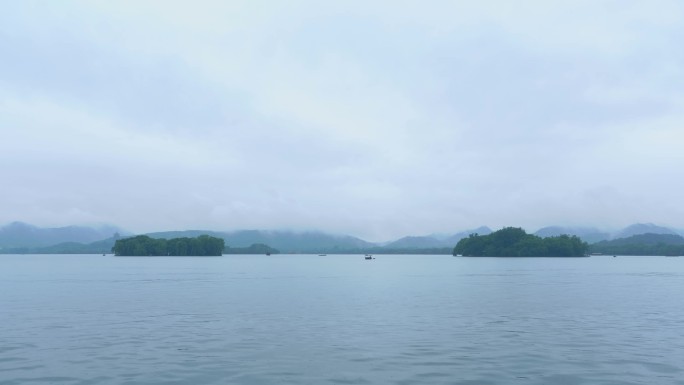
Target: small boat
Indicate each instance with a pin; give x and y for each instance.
(368, 256)
(322, 255)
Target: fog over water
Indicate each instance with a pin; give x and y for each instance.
(377, 119)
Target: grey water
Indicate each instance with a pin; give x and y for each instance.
(305, 319)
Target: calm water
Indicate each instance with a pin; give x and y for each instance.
(341, 320)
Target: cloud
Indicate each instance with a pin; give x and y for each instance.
(372, 118)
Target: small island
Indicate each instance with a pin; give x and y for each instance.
(144, 246)
(515, 242)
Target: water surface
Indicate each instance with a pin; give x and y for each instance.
(304, 319)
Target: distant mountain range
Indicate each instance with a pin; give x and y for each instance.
(19, 234)
(643, 228)
(593, 235)
(434, 241)
(642, 244)
(587, 234)
(18, 237)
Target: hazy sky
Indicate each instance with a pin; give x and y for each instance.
(373, 118)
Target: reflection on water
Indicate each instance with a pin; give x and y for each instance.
(341, 320)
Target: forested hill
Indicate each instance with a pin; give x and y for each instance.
(643, 244)
(143, 245)
(515, 242)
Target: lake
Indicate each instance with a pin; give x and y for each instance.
(306, 319)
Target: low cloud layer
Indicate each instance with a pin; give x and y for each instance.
(378, 119)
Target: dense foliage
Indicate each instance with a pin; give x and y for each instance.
(515, 242)
(644, 244)
(143, 245)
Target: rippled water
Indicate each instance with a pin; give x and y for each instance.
(341, 320)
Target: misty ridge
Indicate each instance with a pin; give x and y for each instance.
(22, 238)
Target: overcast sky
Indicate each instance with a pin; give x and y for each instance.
(372, 118)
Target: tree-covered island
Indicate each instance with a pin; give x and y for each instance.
(142, 245)
(515, 242)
